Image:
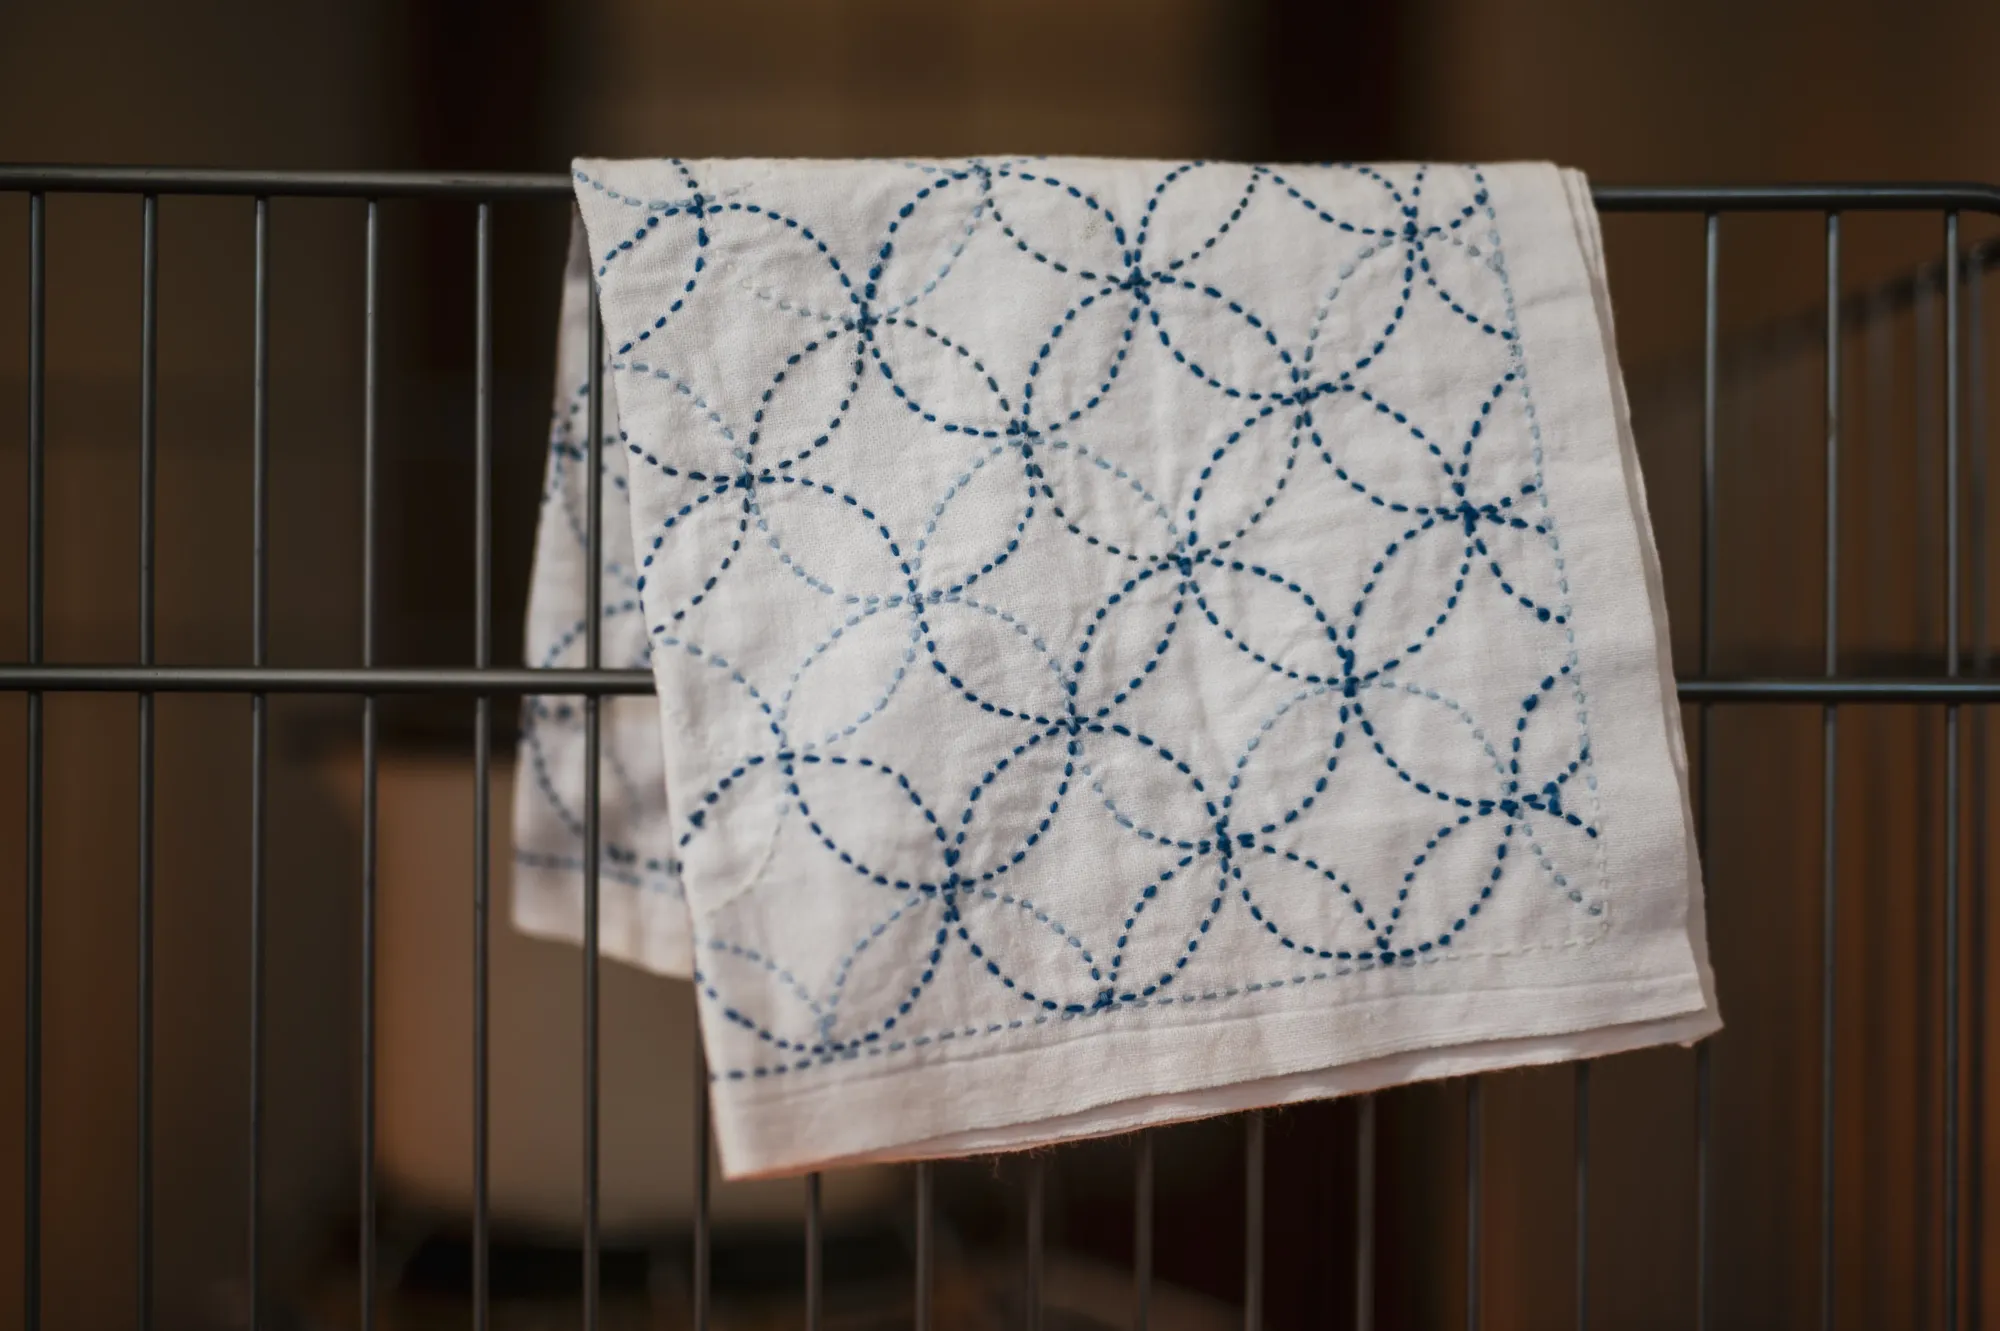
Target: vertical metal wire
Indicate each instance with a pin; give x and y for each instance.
(592, 656)
(1472, 1202)
(260, 481)
(370, 406)
(1877, 430)
(1829, 813)
(924, 1205)
(815, 1277)
(701, 1140)
(31, 885)
(1704, 1070)
(482, 739)
(1976, 853)
(148, 451)
(1038, 1188)
(1253, 1222)
(1364, 1217)
(1582, 1195)
(1142, 1234)
(1951, 809)
(1925, 319)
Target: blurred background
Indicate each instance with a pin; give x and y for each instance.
(1694, 91)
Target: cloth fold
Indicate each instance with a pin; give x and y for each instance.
(1132, 641)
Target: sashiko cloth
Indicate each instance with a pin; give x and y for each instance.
(1133, 640)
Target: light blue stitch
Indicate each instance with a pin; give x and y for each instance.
(1126, 290)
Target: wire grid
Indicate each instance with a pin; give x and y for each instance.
(482, 681)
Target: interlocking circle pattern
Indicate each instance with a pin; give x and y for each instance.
(1082, 589)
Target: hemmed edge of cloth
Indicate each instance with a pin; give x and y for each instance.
(840, 1123)
(639, 926)
(1590, 234)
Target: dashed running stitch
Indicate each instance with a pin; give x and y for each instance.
(1290, 404)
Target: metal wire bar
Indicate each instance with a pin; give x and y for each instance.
(260, 563)
(1364, 1217)
(482, 739)
(815, 1274)
(499, 681)
(148, 459)
(593, 617)
(1142, 1233)
(1804, 197)
(370, 440)
(381, 681)
(31, 839)
(1927, 320)
(1253, 1222)
(1472, 1202)
(1976, 796)
(1877, 427)
(925, 1203)
(1927, 196)
(1704, 1066)
(288, 184)
(1582, 1195)
(1770, 344)
(1951, 776)
(701, 1235)
(1829, 812)
(1038, 1189)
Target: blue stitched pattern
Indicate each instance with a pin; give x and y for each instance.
(1079, 591)
(635, 851)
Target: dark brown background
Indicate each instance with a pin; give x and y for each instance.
(1666, 92)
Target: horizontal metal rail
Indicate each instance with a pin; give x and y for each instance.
(472, 681)
(469, 681)
(1883, 196)
(468, 185)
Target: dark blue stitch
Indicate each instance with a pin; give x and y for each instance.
(1189, 552)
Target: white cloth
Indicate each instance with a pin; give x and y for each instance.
(1132, 640)
(643, 915)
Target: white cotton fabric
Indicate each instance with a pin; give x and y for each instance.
(1133, 640)
(643, 915)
